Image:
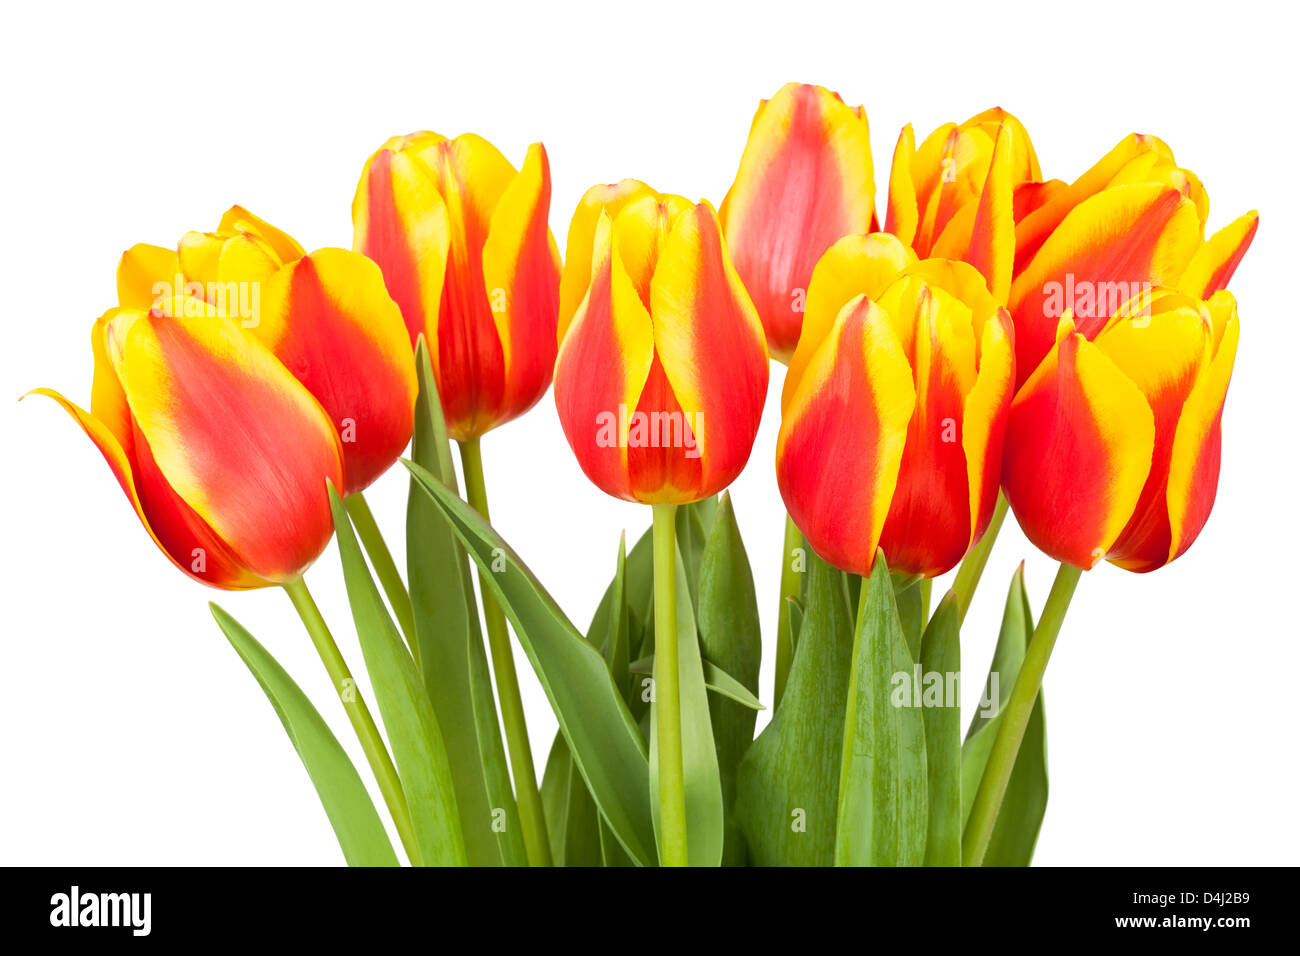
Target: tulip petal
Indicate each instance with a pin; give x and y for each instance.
(992, 246)
(901, 214)
(1124, 238)
(984, 419)
(139, 272)
(928, 526)
(521, 270)
(612, 199)
(400, 221)
(329, 319)
(236, 437)
(854, 265)
(805, 179)
(237, 219)
(1194, 461)
(857, 393)
(602, 367)
(710, 341)
(1217, 259)
(1163, 355)
(190, 546)
(1078, 449)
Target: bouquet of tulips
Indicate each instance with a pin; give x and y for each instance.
(1001, 341)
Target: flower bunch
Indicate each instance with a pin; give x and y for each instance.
(998, 342)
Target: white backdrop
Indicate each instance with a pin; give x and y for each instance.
(130, 733)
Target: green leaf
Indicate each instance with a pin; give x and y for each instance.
(883, 795)
(572, 822)
(1021, 818)
(787, 783)
(692, 522)
(941, 655)
(357, 826)
(715, 679)
(452, 661)
(419, 752)
(705, 818)
(911, 614)
(596, 723)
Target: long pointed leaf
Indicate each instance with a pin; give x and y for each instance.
(882, 804)
(452, 660)
(359, 830)
(597, 725)
(419, 752)
(941, 664)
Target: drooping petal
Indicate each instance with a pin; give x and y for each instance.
(1218, 257)
(1078, 450)
(842, 437)
(602, 367)
(805, 179)
(521, 269)
(710, 342)
(237, 439)
(329, 319)
(854, 265)
(1105, 251)
(612, 199)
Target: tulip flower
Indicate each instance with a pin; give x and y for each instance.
(327, 316)
(1133, 223)
(662, 373)
(805, 179)
(659, 384)
(894, 408)
(223, 454)
(1113, 443)
(958, 195)
(462, 240)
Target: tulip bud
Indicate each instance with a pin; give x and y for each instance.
(662, 374)
(1113, 444)
(1133, 223)
(956, 196)
(805, 179)
(327, 316)
(224, 455)
(894, 408)
(465, 251)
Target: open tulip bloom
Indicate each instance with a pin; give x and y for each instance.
(994, 341)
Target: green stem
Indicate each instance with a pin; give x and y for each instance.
(972, 566)
(381, 764)
(531, 817)
(381, 559)
(791, 586)
(1015, 718)
(668, 707)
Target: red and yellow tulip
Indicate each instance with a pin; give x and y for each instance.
(224, 455)
(1113, 443)
(462, 240)
(805, 179)
(1133, 223)
(959, 195)
(894, 408)
(662, 371)
(326, 316)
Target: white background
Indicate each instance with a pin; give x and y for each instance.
(130, 733)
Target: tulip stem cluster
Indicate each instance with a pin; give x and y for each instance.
(1015, 718)
(667, 696)
(358, 713)
(531, 817)
(381, 558)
